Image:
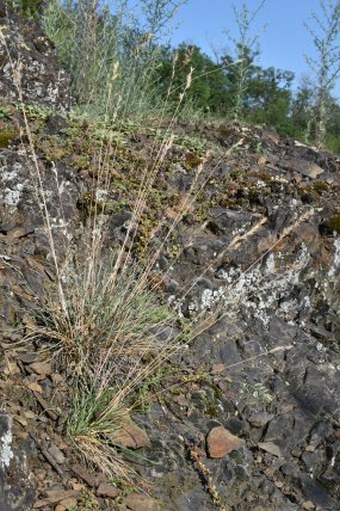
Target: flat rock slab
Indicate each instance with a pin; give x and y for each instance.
(221, 442)
(308, 169)
(140, 502)
(131, 436)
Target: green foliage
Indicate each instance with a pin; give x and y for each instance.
(208, 85)
(91, 411)
(332, 141)
(5, 112)
(111, 54)
(332, 225)
(98, 310)
(268, 98)
(107, 326)
(304, 118)
(301, 111)
(28, 8)
(121, 72)
(325, 66)
(244, 54)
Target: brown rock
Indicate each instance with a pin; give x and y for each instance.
(11, 368)
(217, 368)
(141, 502)
(221, 442)
(40, 474)
(107, 490)
(90, 479)
(311, 170)
(68, 503)
(56, 453)
(58, 497)
(35, 387)
(180, 400)
(17, 232)
(130, 435)
(41, 368)
(260, 419)
(271, 448)
(77, 486)
(21, 420)
(29, 357)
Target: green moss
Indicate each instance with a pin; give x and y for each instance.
(192, 160)
(81, 162)
(194, 144)
(7, 137)
(225, 131)
(321, 186)
(254, 196)
(332, 224)
(34, 111)
(146, 227)
(91, 205)
(266, 178)
(52, 147)
(307, 195)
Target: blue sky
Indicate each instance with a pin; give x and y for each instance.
(282, 45)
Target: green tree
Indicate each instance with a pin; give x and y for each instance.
(268, 99)
(237, 100)
(304, 118)
(333, 131)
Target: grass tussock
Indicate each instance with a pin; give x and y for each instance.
(101, 307)
(110, 334)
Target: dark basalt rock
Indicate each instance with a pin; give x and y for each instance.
(28, 62)
(16, 489)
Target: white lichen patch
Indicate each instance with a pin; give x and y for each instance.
(255, 292)
(335, 268)
(6, 452)
(13, 185)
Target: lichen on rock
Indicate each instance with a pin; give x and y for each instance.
(29, 63)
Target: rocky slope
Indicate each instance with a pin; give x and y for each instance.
(246, 416)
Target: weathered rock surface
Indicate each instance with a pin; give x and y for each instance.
(16, 488)
(265, 368)
(28, 62)
(139, 502)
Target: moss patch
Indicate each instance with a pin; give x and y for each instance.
(331, 225)
(7, 137)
